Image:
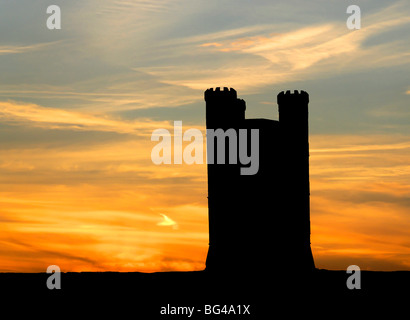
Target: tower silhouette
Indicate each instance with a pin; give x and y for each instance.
(260, 221)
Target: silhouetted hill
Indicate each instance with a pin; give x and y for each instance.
(141, 295)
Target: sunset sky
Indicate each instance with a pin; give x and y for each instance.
(78, 106)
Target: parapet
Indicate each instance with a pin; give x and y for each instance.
(291, 98)
(218, 94)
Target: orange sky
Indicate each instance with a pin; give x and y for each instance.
(110, 208)
(78, 105)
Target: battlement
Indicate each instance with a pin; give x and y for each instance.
(293, 98)
(225, 94)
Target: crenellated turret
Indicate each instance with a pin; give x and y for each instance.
(223, 108)
(220, 94)
(295, 97)
(293, 107)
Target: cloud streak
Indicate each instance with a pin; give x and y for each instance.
(360, 201)
(315, 50)
(51, 118)
(12, 49)
(167, 222)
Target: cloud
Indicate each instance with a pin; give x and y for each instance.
(355, 229)
(167, 222)
(99, 228)
(256, 60)
(52, 118)
(361, 148)
(107, 92)
(211, 44)
(215, 37)
(359, 158)
(10, 49)
(360, 200)
(138, 5)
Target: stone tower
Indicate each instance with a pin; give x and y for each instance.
(260, 221)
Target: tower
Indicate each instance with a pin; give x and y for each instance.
(223, 110)
(263, 217)
(294, 148)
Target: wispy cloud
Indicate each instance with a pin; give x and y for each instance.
(360, 200)
(126, 6)
(110, 93)
(167, 222)
(363, 148)
(10, 49)
(51, 118)
(318, 49)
